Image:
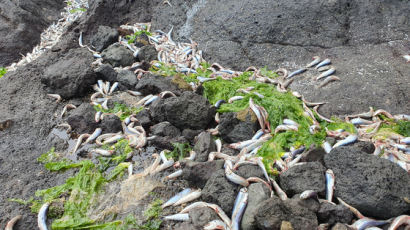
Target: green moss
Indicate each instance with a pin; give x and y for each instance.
(2, 71)
(180, 151)
(164, 70)
(121, 110)
(118, 170)
(132, 38)
(53, 162)
(400, 127)
(77, 10)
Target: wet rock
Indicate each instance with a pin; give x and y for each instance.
(118, 55)
(165, 129)
(144, 118)
(233, 130)
(152, 84)
(373, 185)
(257, 193)
(311, 203)
(104, 37)
(166, 142)
(81, 119)
(147, 53)
(71, 76)
(218, 190)
(273, 211)
(198, 173)
(126, 80)
(201, 216)
(313, 154)
(249, 170)
(307, 176)
(365, 146)
(111, 124)
(332, 214)
(105, 72)
(203, 146)
(21, 24)
(190, 134)
(187, 111)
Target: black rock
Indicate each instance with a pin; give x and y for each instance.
(165, 129)
(203, 146)
(233, 130)
(218, 190)
(105, 72)
(151, 84)
(198, 173)
(311, 203)
(104, 37)
(71, 76)
(111, 124)
(257, 193)
(202, 216)
(187, 111)
(190, 134)
(81, 119)
(365, 146)
(126, 80)
(21, 24)
(273, 211)
(166, 142)
(374, 186)
(249, 170)
(307, 176)
(332, 214)
(147, 53)
(144, 118)
(313, 154)
(117, 55)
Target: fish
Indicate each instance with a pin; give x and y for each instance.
(188, 197)
(113, 87)
(282, 195)
(258, 134)
(216, 224)
(42, 216)
(285, 128)
(219, 103)
(79, 141)
(364, 223)
(352, 209)
(240, 209)
(398, 221)
(327, 147)
(405, 140)
(328, 80)
(178, 217)
(290, 122)
(407, 57)
(234, 178)
(204, 79)
(163, 166)
(299, 71)
(235, 98)
(325, 74)
(177, 197)
(360, 121)
(199, 204)
(94, 135)
(308, 194)
(323, 63)
(134, 93)
(174, 175)
(221, 214)
(12, 222)
(56, 96)
(103, 152)
(152, 99)
(316, 60)
(324, 68)
(330, 184)
(238, 199)
(66, 107)
(348, 140)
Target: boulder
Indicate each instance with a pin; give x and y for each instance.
(165, 129)
(152, 84)
(374, 186)
(126, 80)
(257, 193)
(313, 154)
(144, 118)
(81, 119)
(306, 176)
(105, 72)
(104, 37)
(111, 124)
(203, 146)
(166, 142)
(272, 212)
(365, 146)
(234, 130)
(190, 134)
(332, 214)
(71, 76)
(198, 173)
(118, 55)
(248, 170)
(201, 216)
(147, 53)
(187, 111)
(218, 190)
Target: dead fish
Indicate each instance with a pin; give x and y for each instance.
(328, 80)
(235, 98)
(42, 216)
(189, 197)
(348, 140)
(316, 60)
(330, 184)
(56, 96)
(178, 217)
(323, 63)
(325, 74)
(12, 222)
(299, 71)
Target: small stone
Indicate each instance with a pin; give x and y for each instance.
(118, 55)
(104, 37)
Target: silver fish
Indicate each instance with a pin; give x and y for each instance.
(360, 121)
(330, 184)
(327, 147)
(314, 62)
(308, 194)
(328, 80)
(42, 216)
(216, 224)
(189, 197)
(323, 63)
(282, 195)
(364, 223)
(94, 135)
(237, 214)
(219, 103)
(174, 174)
(348, 140)
(12, 222)
(178, 217)
(398, 221)
(325, 74)
(152, 99)
(235, 98)
(176, 197)
(299, 71)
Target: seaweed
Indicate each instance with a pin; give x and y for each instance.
(121, 110)
(2, 71)
(180, 151)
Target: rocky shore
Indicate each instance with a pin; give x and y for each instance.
(146, 75)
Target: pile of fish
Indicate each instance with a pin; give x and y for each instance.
(186, 59)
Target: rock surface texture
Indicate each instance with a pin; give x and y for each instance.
(364, 39)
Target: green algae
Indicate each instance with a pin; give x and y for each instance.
(2, 71)
(180, 151)
(54, 162)
(121, 110)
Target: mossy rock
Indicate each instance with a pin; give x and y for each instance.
(246, 115)
(181, 83)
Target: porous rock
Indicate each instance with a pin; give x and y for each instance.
(111, 124)
(71, 76)
(117, 55)
(165, 129)
(81, 119)
(187, 111)
(306, 176)
(332, 214)
(273, 211)
(104, 37)
(126, 80)
(234, 130)
(373, 185)
(257, 192)
(203, 146)
(105, 72)
(147, 53)
(198, 173)
(248, 170)
(218, 190)
(201, 216)
(152, 84)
